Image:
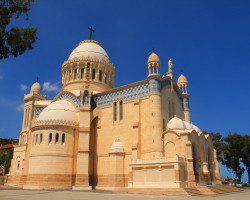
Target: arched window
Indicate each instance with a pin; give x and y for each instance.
(115, 111)
(36, 138)
(82, 72)
(18, 165)
(63, 137)
(41, 138)
(93, 74)
(75, 73)
(85, 99)
(50, 137)
(28, 115)
(57, 137)
(106, 77)
(25, 118)
(33, 139)
(100, 75)
(121, 110)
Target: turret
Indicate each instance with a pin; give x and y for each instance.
(183, 85)
(28, 114)
(153, 64)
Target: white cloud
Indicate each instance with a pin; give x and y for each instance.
(48, 87)
(23, 87)
(1, 77)
(20, 107)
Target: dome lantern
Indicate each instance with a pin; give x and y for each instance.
(183, 84)
(36, 88)
(153, 64)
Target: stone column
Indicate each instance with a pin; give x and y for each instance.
(116, 164)
(156, 116)
(82, 166)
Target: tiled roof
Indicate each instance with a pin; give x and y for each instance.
(8, 146)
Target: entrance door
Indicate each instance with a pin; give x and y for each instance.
(195, 163)
(92, 155)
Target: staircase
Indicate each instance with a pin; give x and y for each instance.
(199, 190)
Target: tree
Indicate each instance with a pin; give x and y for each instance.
(15, 41)
(245, 153)
(232, 154)
(5, 161)
(8, 159)
(2, 161)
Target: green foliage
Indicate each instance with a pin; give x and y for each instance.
(5, 160)
(16, 40)
(232, 154)
(245, 154)
(2, 158)
(7, 141)
(8, 159)
(231, 151)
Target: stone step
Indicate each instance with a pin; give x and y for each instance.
(193, 191)
(199, 190)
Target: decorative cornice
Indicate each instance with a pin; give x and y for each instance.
(37, 123)
(90, 41)
(90, 59)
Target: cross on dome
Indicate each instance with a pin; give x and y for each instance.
(91, 30)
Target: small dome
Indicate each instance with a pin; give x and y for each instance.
(116, 147)
(188, 125)
(176, 123)
(89, 48)
(182, 79)
(195, 128)
(59, 110)
(153, 58)
(36, 88)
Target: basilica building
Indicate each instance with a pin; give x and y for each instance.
(95, 136)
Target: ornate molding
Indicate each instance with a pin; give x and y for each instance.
(72, 98)
(126, 94)
(37, 123)
(86, 59)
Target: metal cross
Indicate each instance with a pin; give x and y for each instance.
(37, 78)
(91, 30)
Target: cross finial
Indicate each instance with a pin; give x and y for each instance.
(37, 78)
(91, 30)
(153, 49)
(181, 71)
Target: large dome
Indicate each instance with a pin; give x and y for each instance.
(89, 48)
(61, 110)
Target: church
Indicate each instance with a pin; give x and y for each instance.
(95, 136)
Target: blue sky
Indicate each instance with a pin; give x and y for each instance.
(209, 40)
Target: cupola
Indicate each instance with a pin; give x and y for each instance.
(183, 83)
(153, 64)
(36, 88)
